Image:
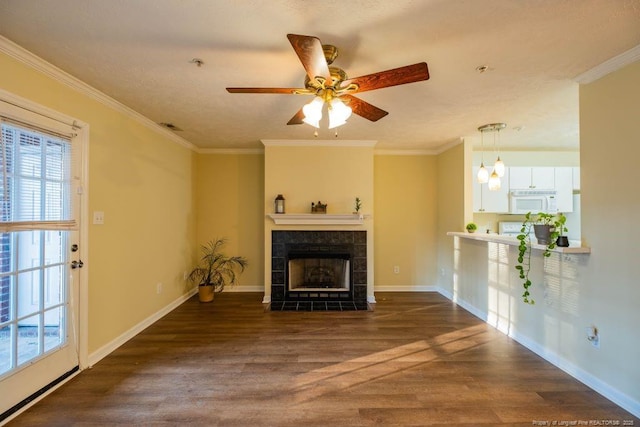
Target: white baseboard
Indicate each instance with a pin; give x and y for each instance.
(405, 289)
(106, 349)
(576, 372)
(581, 375)
(251, 288)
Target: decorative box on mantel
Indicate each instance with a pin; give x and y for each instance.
(318, 219)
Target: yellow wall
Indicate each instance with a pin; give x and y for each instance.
(317, 171)
(609, 153)
(452, 196)
(405, 221)
(332, 172)
(403, 212)
(143, 183)
(229, 197)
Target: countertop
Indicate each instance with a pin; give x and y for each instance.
(574, 247)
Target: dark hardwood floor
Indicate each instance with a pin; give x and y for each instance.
(416, 360)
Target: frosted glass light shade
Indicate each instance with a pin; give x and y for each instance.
(483, 174)
(338, 113)
(494, 181)
(313, 112)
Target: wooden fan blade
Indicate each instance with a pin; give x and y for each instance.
(363, 108)
(297, 119)
(397, 76)
(309, 50)
(285, 90)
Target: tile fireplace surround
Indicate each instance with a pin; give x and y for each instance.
(353, 243)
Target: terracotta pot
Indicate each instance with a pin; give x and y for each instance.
(206, 293)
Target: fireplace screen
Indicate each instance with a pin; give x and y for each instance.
(315, 274)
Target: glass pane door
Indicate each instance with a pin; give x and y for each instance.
(37, 317)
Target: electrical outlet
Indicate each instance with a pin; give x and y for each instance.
(593, 336)
(396, 269)
(442, 272)
(159, 288)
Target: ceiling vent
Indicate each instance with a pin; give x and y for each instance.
(170, 126)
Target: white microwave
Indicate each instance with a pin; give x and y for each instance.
(534, 201)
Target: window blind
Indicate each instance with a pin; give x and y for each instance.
(36, 179)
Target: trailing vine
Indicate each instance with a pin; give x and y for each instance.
(557, 224)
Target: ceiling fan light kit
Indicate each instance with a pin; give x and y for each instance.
(331, 86)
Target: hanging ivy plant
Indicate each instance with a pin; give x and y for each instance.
(557, 228)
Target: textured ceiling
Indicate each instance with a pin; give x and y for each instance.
(139, 52)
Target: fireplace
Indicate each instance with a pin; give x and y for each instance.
(319, 270)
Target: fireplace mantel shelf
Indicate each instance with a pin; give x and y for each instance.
(318, 219)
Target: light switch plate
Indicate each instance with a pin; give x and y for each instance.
(98, 217)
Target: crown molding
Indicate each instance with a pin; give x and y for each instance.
(230, 150)
(448, 146)
(316, 143)
(388, 152)
(609, 66)
(38, 64)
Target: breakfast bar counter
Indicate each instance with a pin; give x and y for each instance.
(574, 247)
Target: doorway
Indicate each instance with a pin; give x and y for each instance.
(41, 176)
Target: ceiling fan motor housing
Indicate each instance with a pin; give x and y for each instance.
(338, 75)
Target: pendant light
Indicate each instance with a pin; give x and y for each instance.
(498, 168)
(494, 181)
(499, 164)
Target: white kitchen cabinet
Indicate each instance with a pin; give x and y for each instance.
(576, 177)
(564, 188)
(540, 178)
(486, 201)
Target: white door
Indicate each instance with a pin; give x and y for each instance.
(39, 242)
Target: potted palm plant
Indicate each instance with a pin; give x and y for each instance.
(215, 270)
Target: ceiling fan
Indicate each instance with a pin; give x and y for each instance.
(331, 86)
